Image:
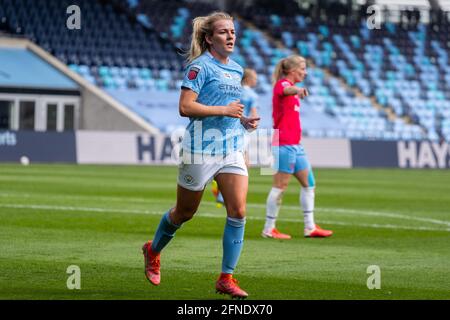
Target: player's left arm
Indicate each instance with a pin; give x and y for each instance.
(254, 106)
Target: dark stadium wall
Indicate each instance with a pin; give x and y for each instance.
(113, 147)
(143, 148)
(423, 154)
(374, 153)
(401, 154)
(37, 146)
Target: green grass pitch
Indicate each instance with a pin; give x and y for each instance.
(98, 217)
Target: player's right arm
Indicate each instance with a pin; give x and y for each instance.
(293, 90)
(285, 88)
(189, 107)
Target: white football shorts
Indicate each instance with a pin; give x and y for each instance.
(196, 175)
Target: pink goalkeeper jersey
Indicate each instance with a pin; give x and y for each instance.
(286, 116)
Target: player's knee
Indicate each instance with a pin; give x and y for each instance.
(184, 213)
(282, 186)
(237, 211)
(182, 218)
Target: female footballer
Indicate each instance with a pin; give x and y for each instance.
(212, 146)
(289, 155)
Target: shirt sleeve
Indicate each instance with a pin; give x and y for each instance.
(279, 87)
(194, 77)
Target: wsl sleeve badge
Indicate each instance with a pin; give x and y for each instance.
(193, 72)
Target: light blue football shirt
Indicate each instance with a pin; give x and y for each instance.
(216, 84)
(249, 99)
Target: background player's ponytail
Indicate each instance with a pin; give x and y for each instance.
(202, 27)
(285, 65)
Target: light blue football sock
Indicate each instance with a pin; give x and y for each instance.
(233, 241)
(165, 232)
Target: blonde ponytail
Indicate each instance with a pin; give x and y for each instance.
(198, 44)
(285, 65)
(277, 72)
(202, 27)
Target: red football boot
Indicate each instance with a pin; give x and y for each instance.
(152, 264)
(226, 284)
(317, 232)
(275, 234)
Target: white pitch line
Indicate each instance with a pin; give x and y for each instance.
(207, 215)
(361, 212)
(386, 214)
